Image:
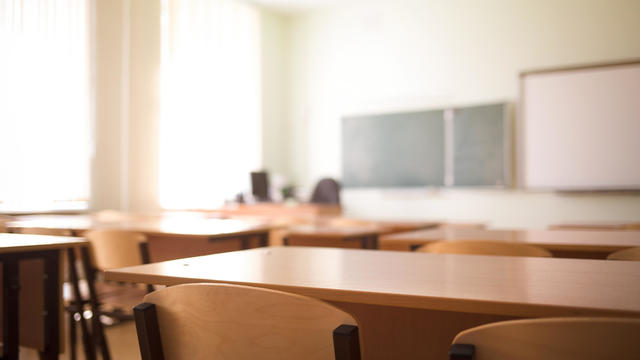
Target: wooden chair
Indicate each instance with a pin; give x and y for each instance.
(550, 339)
(108, 249)
(221, 321)
(632, 254)
(484, 247)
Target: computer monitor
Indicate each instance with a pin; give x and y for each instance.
(260, 185)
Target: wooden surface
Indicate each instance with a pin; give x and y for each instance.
(21, 242)
(483, 284)
(206, 321)
(597, 226)
(169, 237)
(556, 339)
(632, 254)
(115, 248)
(396, 295)
(175, 226)
(483, 247)
(279, 209)
(598, 242)
(31, 297)
(333, 236)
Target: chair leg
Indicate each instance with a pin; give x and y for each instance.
(98, 329)
(87, 341)
(346, 342)
(72, 335)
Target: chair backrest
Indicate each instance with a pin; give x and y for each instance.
(221, 321)
(550, 339)
(115, 248)
(484, 247)
(327, 191)
(632, 254)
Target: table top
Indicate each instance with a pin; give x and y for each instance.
(503, 285)
(10, 243)
(332, 232)
(583, 240)
(163, 225)
(605, 225)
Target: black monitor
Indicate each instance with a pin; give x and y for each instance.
(260, 185)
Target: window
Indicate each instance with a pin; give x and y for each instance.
(45, 142)
(210, 126)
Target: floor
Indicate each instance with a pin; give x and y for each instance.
(122, 339)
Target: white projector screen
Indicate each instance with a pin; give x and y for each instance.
(580, 128)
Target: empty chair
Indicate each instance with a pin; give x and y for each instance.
(484, 247)
(221, 321)
(632, 254)
(327, 191)
(550, 339)
(109, 249)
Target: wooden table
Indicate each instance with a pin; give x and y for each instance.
(15, 249)
(278, 209)
(411, 305)
(562, 243)
(612, 225)
(168, 237)
(364, 237)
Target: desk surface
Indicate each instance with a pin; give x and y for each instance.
(332, 232)
(612, 225)
(513, 286)
(175, 226)
(570, 240)
(11, 243)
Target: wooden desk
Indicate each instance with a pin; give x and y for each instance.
(576, 244)
(411, 305)
(278, 209)
(16, 290)
(168, 237)
(597, 226)
(363, 237)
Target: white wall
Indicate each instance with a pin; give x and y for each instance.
(368, 56)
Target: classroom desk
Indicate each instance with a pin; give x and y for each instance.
(278, 209)
(562, 243)
(597, 226)
(363, 237)
(168, 237)
(14, 249)
(411, 305)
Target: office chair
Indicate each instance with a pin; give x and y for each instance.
(327, 191)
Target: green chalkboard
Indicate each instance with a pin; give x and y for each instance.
(460, 147)
(393, 150)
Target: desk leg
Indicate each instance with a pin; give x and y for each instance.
(11, 283)
(51, 304)
(264, 240)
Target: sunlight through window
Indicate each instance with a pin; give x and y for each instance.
(210, 114)
(45, 142)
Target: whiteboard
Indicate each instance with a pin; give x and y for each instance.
(580, 128)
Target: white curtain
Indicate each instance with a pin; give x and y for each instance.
(210, 127)
(45, 142)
